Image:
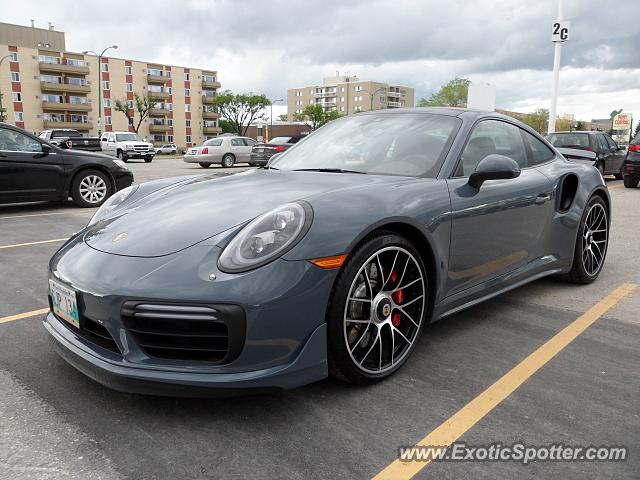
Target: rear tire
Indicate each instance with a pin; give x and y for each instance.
(204, 165)
(228, 160)
(630, 181)
(90, 188)
(591, 242)
(371, 338)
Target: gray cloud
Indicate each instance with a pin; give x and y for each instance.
(270, 46)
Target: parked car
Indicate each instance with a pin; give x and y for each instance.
(168, 148)
(609, 156)
(227, 150)
(31, 169)
(69, 138)
(126, 145)
(329, 261)
(262, 152)
(632, 164)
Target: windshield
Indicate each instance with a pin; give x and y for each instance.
(575, 140)
(395, 144)
(128, 137)
(279, 140)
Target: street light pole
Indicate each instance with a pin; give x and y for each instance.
(99, 56)
(271, 117)
(2, 115)
(558, 39)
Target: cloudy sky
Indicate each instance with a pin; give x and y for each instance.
(267, 47)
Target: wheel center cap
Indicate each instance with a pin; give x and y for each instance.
(383, 308)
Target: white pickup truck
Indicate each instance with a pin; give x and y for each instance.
(126, 145)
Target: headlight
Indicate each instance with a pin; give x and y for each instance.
(112, 203)
(121, 164)
(266, 238)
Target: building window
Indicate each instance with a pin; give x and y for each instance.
(170, 122)
(15, 77)
(129, 87)
(13, 56)
(342, 109)
(106, 102)
(167, 73)
(170, 138)
(128, 70)
(129, 103)
(187, 123)
(19, 117)
(107, 120)
(105, 67)
(188, 138)
(186, 77)
(187, 92)
(17, 96)
(105, 84)
(187, 107)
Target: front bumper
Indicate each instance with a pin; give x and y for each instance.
(123, 178)
(134, 154)
(284, 304)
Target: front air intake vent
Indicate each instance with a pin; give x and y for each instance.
(208, 333)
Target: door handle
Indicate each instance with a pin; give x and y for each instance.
(543, 197)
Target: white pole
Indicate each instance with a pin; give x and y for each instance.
(556, 75)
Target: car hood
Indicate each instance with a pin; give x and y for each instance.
(185, 213)
(136, 143)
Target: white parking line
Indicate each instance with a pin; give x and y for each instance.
(47, 214)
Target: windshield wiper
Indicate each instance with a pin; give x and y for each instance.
(328, 170)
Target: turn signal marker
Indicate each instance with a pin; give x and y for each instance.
(330, 262)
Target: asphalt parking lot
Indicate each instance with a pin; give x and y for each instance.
(57, 423)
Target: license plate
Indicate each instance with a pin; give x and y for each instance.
(193, 152)
(65, 303)
(260, 150)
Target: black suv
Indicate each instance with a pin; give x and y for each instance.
(609, 156)
(632, 164)
(31, 169)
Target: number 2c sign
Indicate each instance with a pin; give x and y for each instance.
(560, 31)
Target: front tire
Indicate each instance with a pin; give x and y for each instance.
(377, 309)
(90, 188)
(228, 160)
(630, 181)
(122, 156)
(148, 159)
(591, 243)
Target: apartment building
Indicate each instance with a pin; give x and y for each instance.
(46, 86)
(346, 94)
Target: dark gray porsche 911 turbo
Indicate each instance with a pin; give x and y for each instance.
(329, 261)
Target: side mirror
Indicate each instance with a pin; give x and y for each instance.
(622, 147)
(494, 167)
(46, 150)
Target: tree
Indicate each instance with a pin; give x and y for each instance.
(637, 132)
(580, 125)
(453, 94)
(315, 116)
(538, 120)
(283, 117)
(226, 126)
(241, 109)
(141, 104)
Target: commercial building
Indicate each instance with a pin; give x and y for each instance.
(45, 86)
(347, 94)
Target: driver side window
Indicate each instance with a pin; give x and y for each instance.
(12, 141)
(491, 137)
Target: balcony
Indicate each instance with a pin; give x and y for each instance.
(326, 94)
(163, 95)
(159, 128)
(157, 78)
(211, 130)
(66, 107)
(395, 94)
(83, 126)
(395, 104)
(64, 87)
(206, 84)
(208, 99)
(63, 68)
(210, 115)
(159, 111)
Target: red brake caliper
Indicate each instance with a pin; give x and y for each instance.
(398, 298)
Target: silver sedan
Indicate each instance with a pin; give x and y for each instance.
(225, 150)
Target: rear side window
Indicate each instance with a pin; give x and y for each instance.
(538, 151)
(612, 145)
(214, 142)
(237, 142)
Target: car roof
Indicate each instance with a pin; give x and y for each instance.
(590, 132)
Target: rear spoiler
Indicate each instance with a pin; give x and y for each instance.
(576, 153)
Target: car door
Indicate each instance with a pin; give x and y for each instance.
(604, 152)
(27, 172)
(499, 227)
(240, 149)
(616, 156)
(108, 143)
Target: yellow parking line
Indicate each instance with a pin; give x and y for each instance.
(33, 243)
(24, 315)
(474, 411)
